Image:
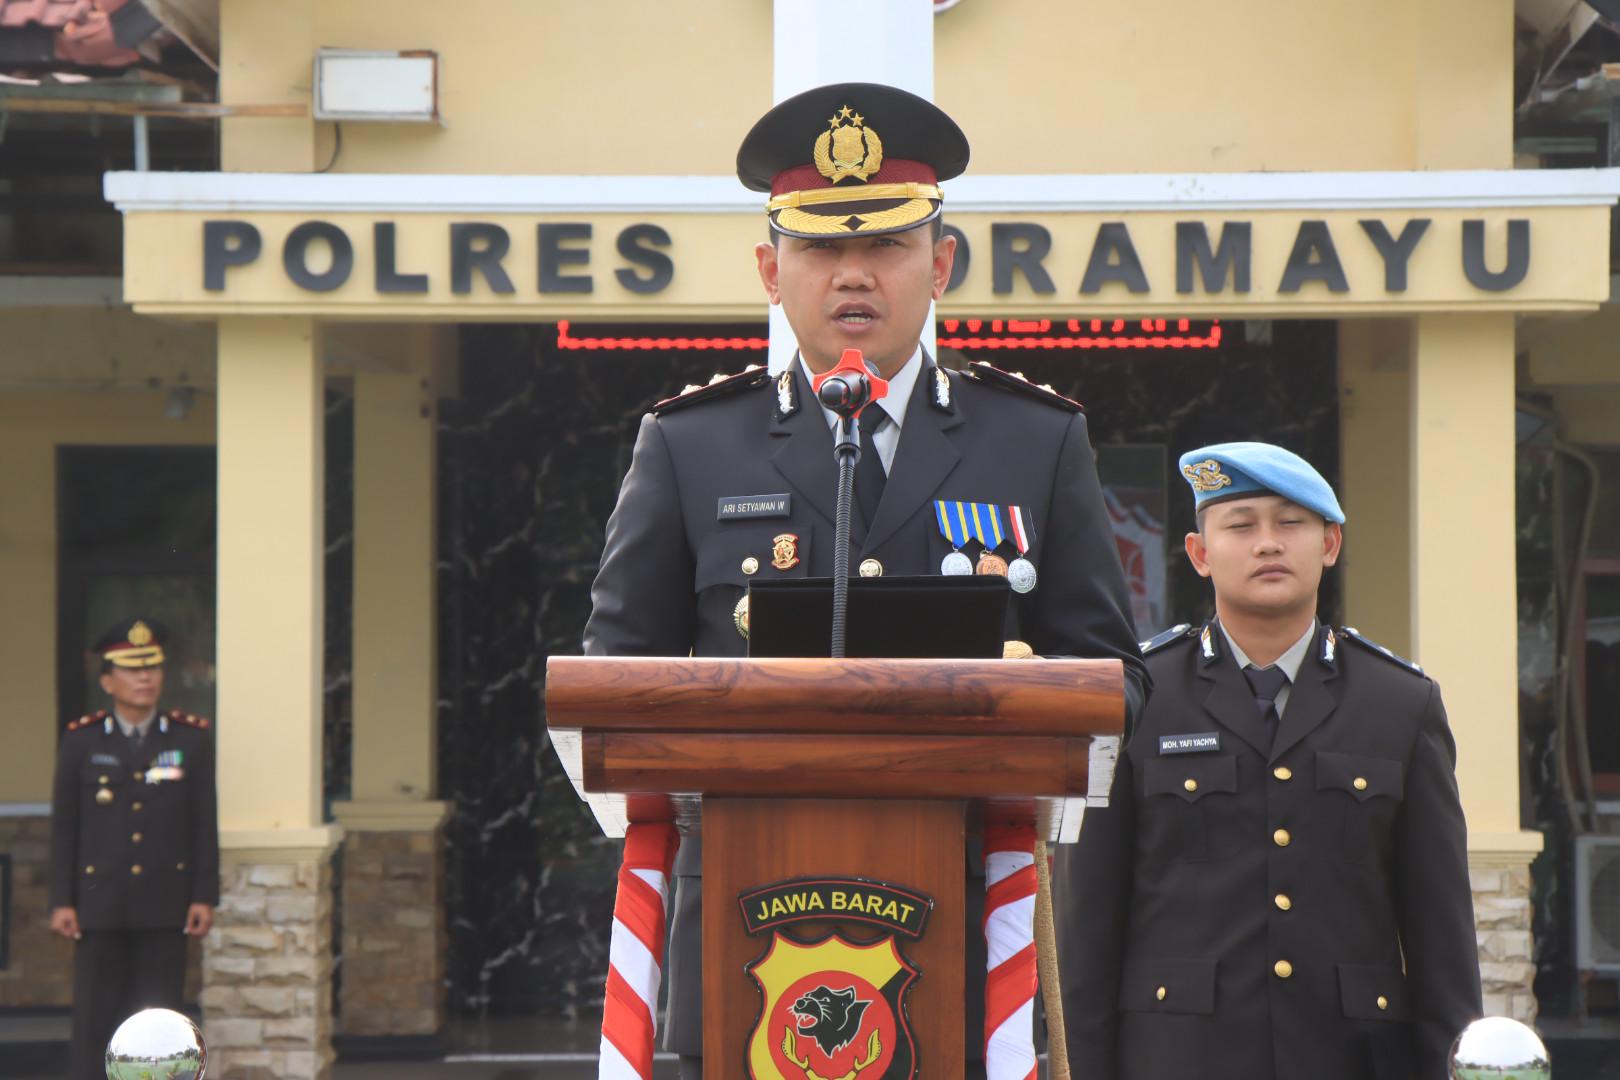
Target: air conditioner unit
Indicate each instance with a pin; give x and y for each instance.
(1597, 903)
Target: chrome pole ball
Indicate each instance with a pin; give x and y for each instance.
(157, 1044)
(1497, 1048)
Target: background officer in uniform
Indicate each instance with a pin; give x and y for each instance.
(134, 844)
(1279, 885)
(737, 479)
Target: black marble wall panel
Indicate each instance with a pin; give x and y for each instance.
(337, 695)
(531, 455)
(337, 699)
(1543, 536)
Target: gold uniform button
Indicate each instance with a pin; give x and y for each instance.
(1190, 784)
(1283, 772)
(1283, 969)
(136, 838)
(134, 806)
(750, 565)
(1161, 993)
(136, 869)
(89, 869)
(139, 777)
(103, 779)
(1282, 901)
(1359, 783)
(179, 866)
(1383, 1002)
(1281, 838)
(104, 796)
(871, 568)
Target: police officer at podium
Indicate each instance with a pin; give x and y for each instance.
(736, 481)
(1278, 887)
(134, 843)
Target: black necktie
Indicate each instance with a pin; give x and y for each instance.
(1267, 683)
(135, 740)
(869, 474)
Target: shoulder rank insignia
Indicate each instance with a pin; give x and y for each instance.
(940, 398)
(1011, 380)
(787, 394)
(99, 717)
(1179, 632)
(719, 386)
(1330, 646)
(1352, 634)
(180, 716)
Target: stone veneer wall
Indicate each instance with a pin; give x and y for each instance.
(395, 944)
(267, 971)
(41, 968)
(1502, 922)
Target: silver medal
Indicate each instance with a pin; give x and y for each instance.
(956, 564)
(1021, 575)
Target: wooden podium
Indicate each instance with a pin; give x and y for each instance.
(817, 768)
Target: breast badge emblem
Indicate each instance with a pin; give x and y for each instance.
(833, 1008)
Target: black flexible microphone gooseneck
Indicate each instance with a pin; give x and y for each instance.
(847, 389)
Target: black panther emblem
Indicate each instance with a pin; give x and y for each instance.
(834, 1017)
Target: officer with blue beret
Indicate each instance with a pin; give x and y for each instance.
(1279, 884)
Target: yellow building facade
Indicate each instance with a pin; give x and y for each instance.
(1346, 164)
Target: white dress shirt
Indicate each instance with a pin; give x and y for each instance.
(1289, 661)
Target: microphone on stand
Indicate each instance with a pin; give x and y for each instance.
(849, 387)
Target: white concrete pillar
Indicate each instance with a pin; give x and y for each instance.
(272, 553)
(394, 935)
(267, 964)
(1464, 589)
(812, 47)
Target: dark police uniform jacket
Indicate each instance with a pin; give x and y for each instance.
(672, 567)
(1298, 912)
(138, 856)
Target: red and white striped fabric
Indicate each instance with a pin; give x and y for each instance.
(1009, 931)
(636, 952)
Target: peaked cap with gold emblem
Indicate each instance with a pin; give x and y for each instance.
(852, 159)
(133, 643)
(1243, 469)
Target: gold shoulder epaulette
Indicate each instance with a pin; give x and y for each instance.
(180, 716)
(982, 372)
(720, 386)
(88, 720)
(1373, 647)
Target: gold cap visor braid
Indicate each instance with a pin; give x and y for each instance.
(143, 656)
(854, 218)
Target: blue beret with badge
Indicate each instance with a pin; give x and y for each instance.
(1241, 469)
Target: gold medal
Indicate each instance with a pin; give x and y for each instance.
(739, 616)
(991, 563)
